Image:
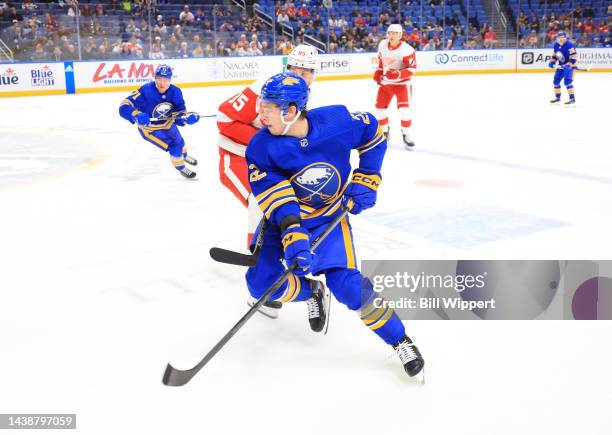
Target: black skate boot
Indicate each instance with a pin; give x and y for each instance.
(269, 309)
(409, 143)
(187, 173)
(571, 101)
(191, 161)
(318, 307)
(409, 355)
(556, 100)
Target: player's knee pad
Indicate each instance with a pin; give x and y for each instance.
(568, 83)
(350, 287)
(404, 113)
(380, 112)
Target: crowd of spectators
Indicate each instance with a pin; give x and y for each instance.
(586, 30)
(109, 29)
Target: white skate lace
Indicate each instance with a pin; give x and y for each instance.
(406, 352)
(313, 308)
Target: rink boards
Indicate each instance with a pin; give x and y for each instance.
(24, 79)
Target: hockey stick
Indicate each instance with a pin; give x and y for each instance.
(176, 378)
(232, 257)
(587, 69)
(175, 116)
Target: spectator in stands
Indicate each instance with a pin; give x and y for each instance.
(359, 22)
(183, 51)
(39, 54)
(588, 12)
(28, 7)
(186, 17)
(160, 28)
(342, 22)
(199, 16)
(14, 15)
(303, 12)
(99, 10)
(490, 38)
(57, 55)
(588, 26)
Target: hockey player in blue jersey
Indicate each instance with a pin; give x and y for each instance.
(164, 102)
(565, 57)
(300, 173)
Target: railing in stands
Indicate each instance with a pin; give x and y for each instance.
(5, 51)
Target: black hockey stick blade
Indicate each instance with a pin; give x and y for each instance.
(232, 257)
(176, 378)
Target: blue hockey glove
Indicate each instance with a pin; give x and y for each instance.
(296, 243)
(551, 64)
(191, 118)
(142, 119)
(362, 190)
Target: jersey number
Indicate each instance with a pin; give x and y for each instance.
(239, 101)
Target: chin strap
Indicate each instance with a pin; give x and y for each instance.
(288, 124)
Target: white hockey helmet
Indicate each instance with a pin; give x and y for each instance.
(304, 56)
(395, 28)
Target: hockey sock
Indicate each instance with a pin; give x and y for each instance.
(178, 162)
(557, 92)
(383, 320)
(296, 289)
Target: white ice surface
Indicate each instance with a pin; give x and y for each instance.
(105, 274)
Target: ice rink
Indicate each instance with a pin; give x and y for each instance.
(106, 275)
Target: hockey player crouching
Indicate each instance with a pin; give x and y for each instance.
(396, 64)
(300, 174)
(164, 103)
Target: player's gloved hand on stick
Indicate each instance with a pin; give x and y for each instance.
(392, 74)
(377, 76)
(551, 64)
(142, 119)
(296, 243)
(191, 118)
(362, 190)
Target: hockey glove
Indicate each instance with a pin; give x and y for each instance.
(551, 64)
(191, 118)
(392, 74)
(296, 243)
(142, 119)
(362, 190)
(377, 76)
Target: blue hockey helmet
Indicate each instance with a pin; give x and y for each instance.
(285, 89)
(163, 70)
(561, 35)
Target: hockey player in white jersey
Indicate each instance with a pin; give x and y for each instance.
(396, 65)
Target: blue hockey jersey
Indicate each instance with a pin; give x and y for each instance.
(307, 176)
(147, 99)
(565, 54)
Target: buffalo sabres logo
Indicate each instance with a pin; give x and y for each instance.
(290, 81)
(317, 184)
(162, 110)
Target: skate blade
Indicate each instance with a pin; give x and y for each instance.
(420, 377)
(327, 306)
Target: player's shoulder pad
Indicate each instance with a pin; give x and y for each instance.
(334, 118)
(260, 144)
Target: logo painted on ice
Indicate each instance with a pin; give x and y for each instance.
(317, 184)
(441, 58)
